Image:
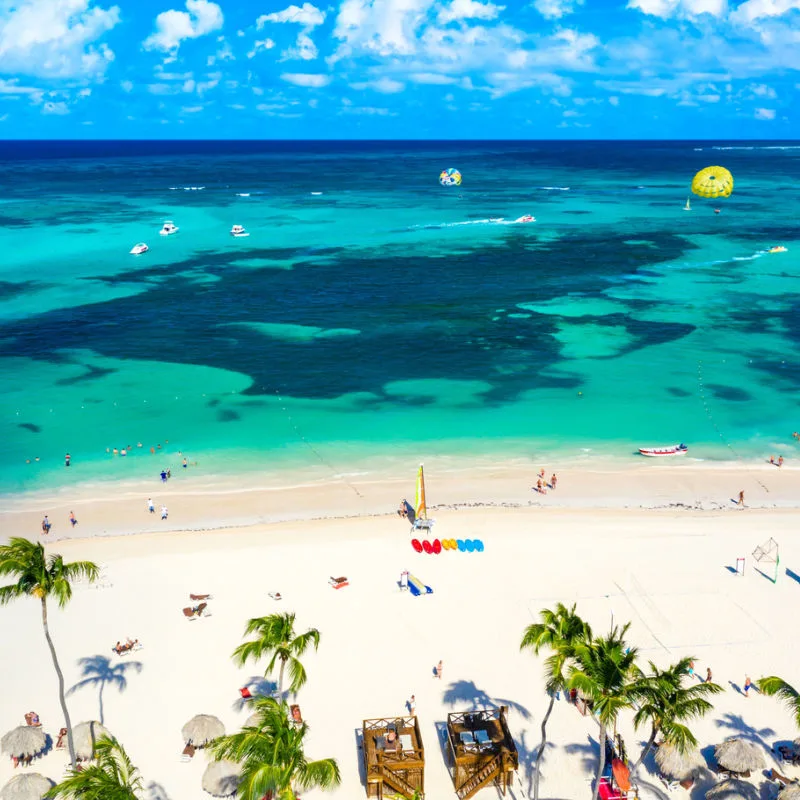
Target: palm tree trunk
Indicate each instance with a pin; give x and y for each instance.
(541, 747)
(601, 763)
(280, 677)
(100, 698)
(643, 754)
(61, 696)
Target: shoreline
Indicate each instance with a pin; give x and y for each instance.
(207, 503)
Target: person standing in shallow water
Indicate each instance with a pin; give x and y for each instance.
(741, 498)
(67, 459)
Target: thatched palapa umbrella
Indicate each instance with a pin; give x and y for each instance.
(221, 778)
(29, 786)
(23, 742)
(202, 729)
(679, 766)
(790, 792)
(739, 756)
(733, 790)
(85, 736)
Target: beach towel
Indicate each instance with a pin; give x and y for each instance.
(417, 587)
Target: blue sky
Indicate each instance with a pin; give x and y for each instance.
(431, 69)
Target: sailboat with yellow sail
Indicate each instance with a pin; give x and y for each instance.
(421, 521)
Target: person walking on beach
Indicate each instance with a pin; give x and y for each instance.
(150, 507)
(72, 519)
(164, 512)
(185, 463)
(46, 525)
(438, 671)
(780, 461)
(163, 476)
(553, 481)
(708, 675)
(741, 498)
(412, 705)
(747, 684)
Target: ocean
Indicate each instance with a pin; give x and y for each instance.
(374, 316)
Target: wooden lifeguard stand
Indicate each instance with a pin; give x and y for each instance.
(398, 768)
(482, 750)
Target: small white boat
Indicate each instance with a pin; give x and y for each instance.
(672, 450)
(777, 249)
(169, 228)
(238, 231)
(688, 206)
(138, 249)
(525, 218)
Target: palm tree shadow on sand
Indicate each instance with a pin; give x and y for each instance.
(466, 693)
(99, 671)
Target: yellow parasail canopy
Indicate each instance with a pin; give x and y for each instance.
(713, 182)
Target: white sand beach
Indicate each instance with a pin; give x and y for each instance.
(654, 545)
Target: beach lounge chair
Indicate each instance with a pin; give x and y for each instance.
(196, 611)
(774, 775)
(276, 595)
(404, 580)
(200, 597)
(338, 583)
(482, 738)
(188, 752)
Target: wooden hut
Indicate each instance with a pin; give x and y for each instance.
(482, 750)
(394, 758)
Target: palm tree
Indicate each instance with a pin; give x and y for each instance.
(110, 777)
(276, 638)
(774, 686)
(41, 577)
(271, 756)
(667, 704)
(605, 672)
(559, 631)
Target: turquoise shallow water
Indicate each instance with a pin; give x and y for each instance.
(388, 316)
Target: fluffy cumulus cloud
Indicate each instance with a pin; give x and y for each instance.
(468, 9)
(172, 27)
(382, 85)
(555, 9)
(55, 38)
(307, 17)
(765, 113)
(680, 8)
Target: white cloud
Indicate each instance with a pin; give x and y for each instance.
(305, 79)
(191, 109)
(765, 113)
(55, 38)
(680, 8)
(263, 44)
(762, 90)
(224, 53)
(752, 10)
(382, 85)
(555, 9)
(468, 9)
(432, 78)
(189, 85)
(61, 108)
(308, 16)
(367, 111)
(172, 27)
(12, 87)
(126, 86)
(614, 101)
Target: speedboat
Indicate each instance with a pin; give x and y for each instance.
(169, 228)
(779, 249)
(138, 249)
(238, 230)
(672, 450)
(526, 218)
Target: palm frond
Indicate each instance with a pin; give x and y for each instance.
(773, 686)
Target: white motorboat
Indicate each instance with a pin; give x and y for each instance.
(238, 231)
(672, 450)
(138, 249)
(169, 228)
(525, 218)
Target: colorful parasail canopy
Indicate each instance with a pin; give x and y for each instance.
(713, 182)
(450, 177)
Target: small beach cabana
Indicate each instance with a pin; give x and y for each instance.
(394, 757)
(202, 729)
(733, 790)
(29, 786)
(85, 736)
(739, 757)
(482, 750)
(221, 778)
(23, 742)
(677, 766)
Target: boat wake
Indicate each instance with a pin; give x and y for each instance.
(487, 221)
